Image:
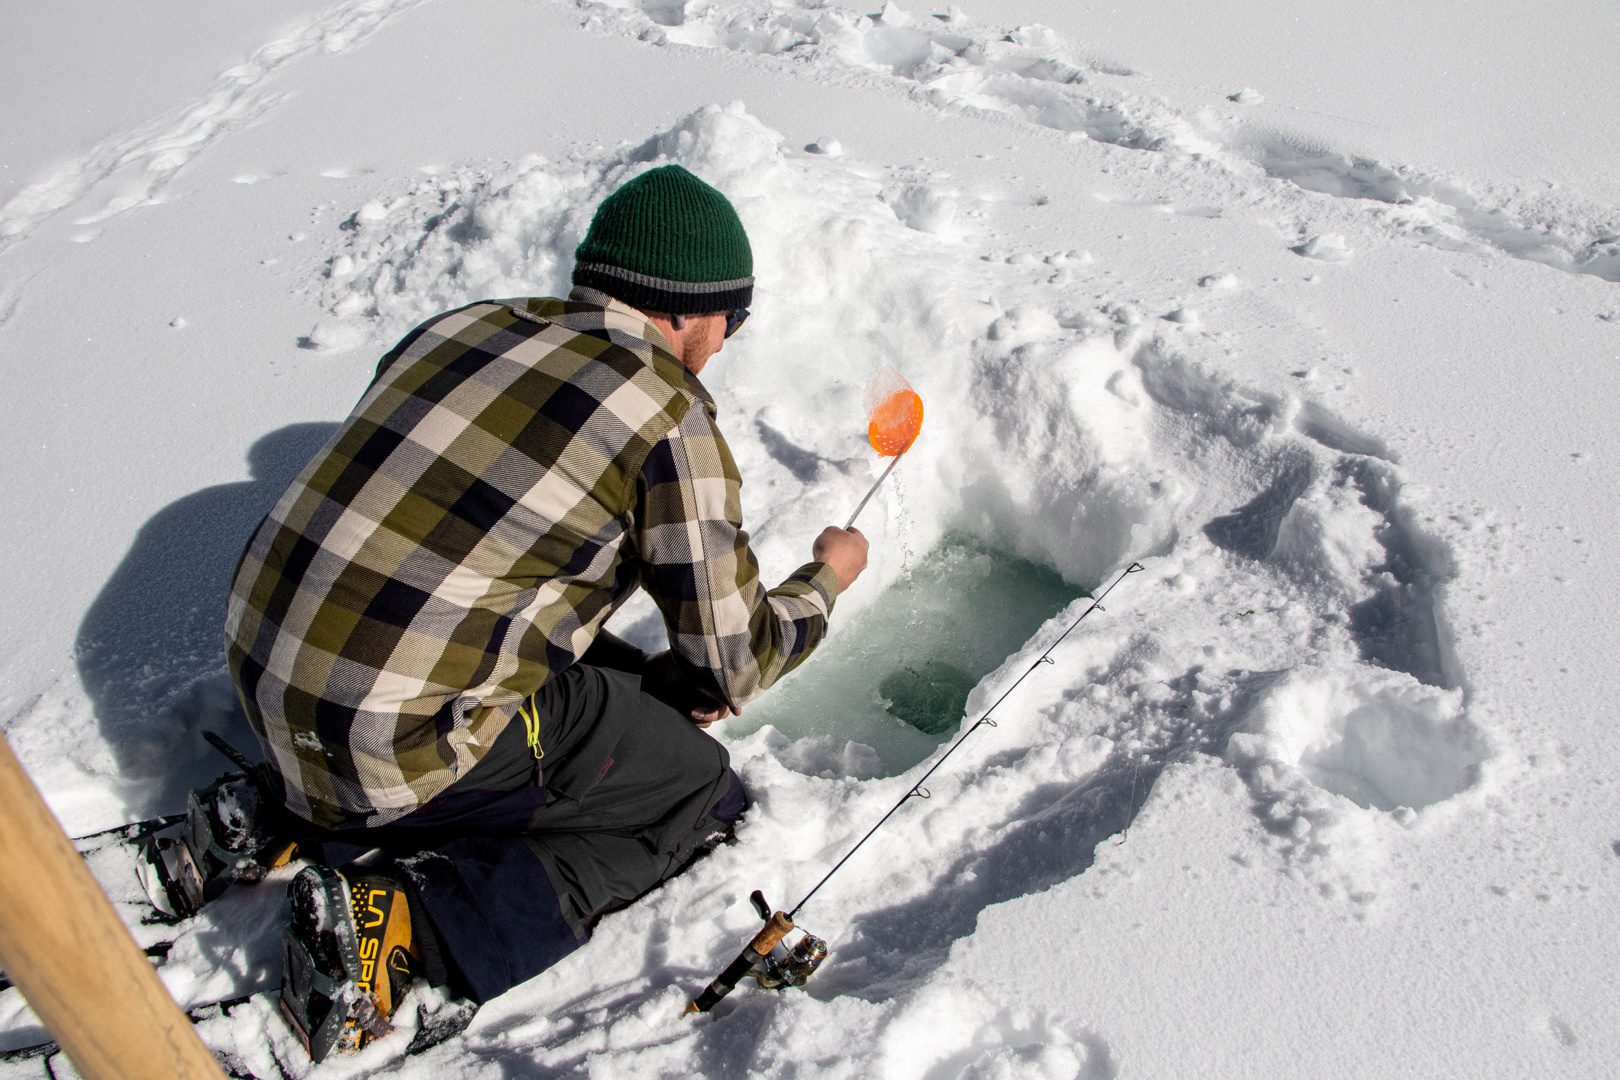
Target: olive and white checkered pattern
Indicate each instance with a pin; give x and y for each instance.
(515, 470)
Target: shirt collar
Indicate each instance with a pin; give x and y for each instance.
(623, 322)
(617, 315)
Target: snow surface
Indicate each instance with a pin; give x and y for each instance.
(1311, 309)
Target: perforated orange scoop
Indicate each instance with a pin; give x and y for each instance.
(893, 422)
(896, 423)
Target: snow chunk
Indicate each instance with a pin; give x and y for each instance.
(924, 207)
(951, 1031)
(1246, 96)
(1329, 537)
(1327, 247)
(893, 15)
(1035, 36)
(1125, 314)
(1022, 324)
(830, 757)
(334, 335)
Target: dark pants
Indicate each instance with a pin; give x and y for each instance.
(511, 865)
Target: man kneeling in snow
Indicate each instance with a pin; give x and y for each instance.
(415, 629)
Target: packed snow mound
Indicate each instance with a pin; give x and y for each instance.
(1371, 738)
(1339, 757)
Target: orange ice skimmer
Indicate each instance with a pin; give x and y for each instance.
(893, 423)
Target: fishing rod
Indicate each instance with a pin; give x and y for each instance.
(774, 965)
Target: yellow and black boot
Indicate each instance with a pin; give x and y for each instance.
(348, 957)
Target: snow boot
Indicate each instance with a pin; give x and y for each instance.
(232, 833)
(347, 956)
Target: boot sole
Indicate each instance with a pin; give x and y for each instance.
(351, 1014)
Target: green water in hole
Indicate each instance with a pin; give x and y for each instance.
(889, 685)
(931, 697)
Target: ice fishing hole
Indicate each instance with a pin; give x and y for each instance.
(892, 684)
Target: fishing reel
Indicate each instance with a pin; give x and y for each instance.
(766, 959)
(783, 967)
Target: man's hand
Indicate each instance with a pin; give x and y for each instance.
(844, 550)
(662, 679)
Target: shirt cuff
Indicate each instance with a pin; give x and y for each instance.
(822, 578)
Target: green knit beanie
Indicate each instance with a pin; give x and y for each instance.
(666, 241)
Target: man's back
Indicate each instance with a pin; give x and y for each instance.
(459, 539)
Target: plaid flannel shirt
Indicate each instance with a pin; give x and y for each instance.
(515, 470)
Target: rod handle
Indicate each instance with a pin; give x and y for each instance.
(777, 927)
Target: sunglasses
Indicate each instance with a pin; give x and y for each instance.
(734, 320)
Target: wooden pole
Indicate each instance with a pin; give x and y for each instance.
(63, 945)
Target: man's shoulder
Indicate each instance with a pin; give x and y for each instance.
(589, 313)
(578, 340)
(549, 308)
(516, 325)
(573, 314)
(598, 316)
